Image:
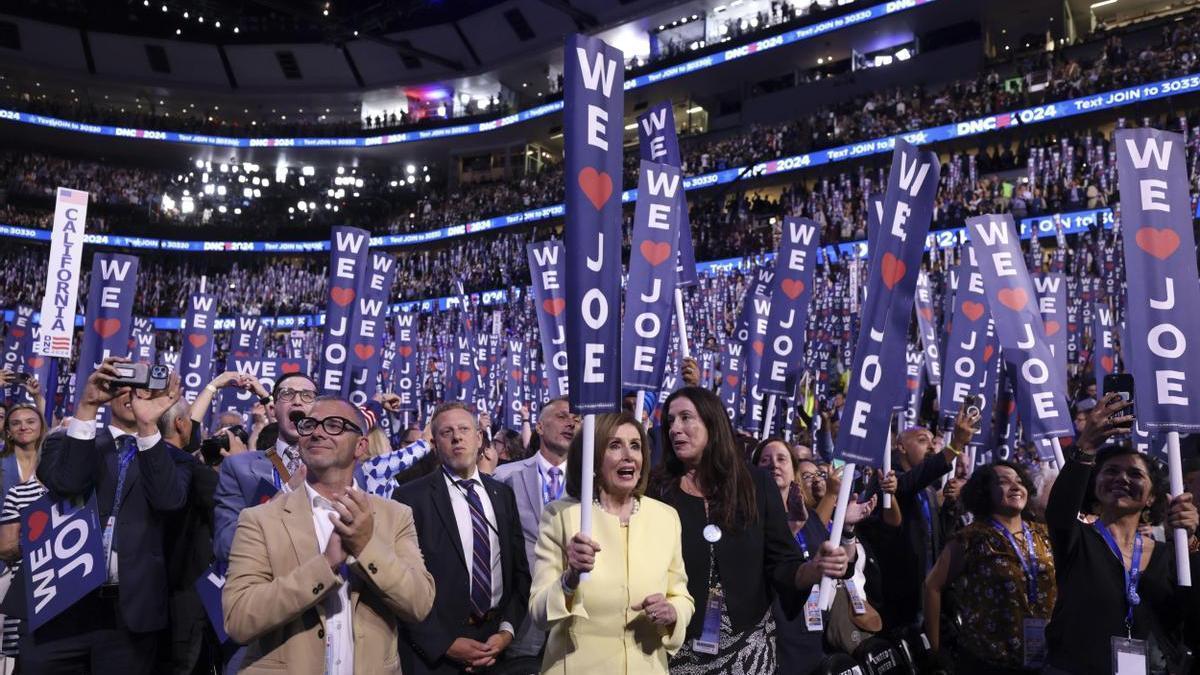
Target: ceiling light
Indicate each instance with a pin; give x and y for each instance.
(164, 8)
(1103, 3)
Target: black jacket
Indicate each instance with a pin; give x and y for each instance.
(156, 484)
(755, 563)
(437, 532)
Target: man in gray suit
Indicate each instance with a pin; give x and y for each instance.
(537, 481)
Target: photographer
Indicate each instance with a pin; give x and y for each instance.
(138, 479)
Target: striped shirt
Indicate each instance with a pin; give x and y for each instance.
(19, 497)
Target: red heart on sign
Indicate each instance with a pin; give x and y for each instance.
(515, 374)
(483, 371)
(987, 353)
(533, 378)
(655, 253)
(1158, 243)
(597, 186)
(36, 362)
(1106, 363)
(37, 524)
(927, 313)
(1012, 407)
(732, 380)
(18, 332)
(107, 327)
(554, 306)
(1052, 327)
(290, 367)
(757, 345)
(364, 352)
(341, 296)
(1013, 298)
(913, 383)
(405, 351)
(893, 269)
(972, 310)
(462, 375)
(792, 288)
(197, 340)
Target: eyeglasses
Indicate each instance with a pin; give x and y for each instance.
(809, 475)
(304, 395)
(334, 426)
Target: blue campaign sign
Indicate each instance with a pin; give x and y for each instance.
(208, 587)
(62, 554)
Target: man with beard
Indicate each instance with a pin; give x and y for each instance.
(537, 481)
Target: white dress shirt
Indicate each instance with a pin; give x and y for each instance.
(339, 628)
(462, 517)
(85, 430)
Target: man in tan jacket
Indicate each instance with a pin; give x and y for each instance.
(319, 577)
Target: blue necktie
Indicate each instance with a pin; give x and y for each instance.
(481, 553)
(126, 449)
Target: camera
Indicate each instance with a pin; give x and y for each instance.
(211, 447)
(141, 376)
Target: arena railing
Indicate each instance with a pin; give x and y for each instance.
(1025, 116)
(1074, 222)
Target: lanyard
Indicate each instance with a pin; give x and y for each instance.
(802, 541)
(1028, 565)
(1131, 574)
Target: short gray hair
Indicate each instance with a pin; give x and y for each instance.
(166, 421)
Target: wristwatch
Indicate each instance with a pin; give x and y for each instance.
(265, 400)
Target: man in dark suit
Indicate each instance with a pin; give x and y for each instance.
(138, 479)
(470, 532)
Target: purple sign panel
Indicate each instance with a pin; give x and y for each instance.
(593, 120)
(783, 350)
(370, 327)
(1040, 386)
(195, 358)
(405, 382)
(896, 251)
(348, 258)
(650, 290)
(659, 143)
(109, 316)
(1161, 279)
(546, 267)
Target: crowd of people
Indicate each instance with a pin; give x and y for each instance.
(387, 201)
(717, 540)
(1036, 177)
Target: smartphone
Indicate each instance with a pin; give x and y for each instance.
(141, 376)
(1121, 383)
(971, 403)
(21, 378)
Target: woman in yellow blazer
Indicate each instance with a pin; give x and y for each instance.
(633, 609)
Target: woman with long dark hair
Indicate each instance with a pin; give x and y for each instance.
(737, 548)
(1117, 593)
(1003, 573)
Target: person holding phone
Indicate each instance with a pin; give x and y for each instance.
(1116, 585)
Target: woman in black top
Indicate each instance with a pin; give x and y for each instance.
(1126, 490)
(737, 548)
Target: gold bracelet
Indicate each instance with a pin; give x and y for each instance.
(956, 451)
